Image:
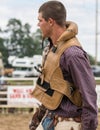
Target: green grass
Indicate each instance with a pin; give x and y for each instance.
(20, 82)
(31, 82)
(97, 81)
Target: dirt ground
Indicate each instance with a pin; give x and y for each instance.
(20, 121)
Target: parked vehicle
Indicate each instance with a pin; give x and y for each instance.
(96, 70)
(25, 67)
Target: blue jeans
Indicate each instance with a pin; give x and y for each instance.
(48, 124)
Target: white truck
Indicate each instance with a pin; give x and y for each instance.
(26, 66)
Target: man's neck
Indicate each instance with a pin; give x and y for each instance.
(56, 33)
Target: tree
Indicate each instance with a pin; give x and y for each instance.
(38, 41)
(3, 51)
(19, 40)
(92, 59)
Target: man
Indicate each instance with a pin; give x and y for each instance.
(66, 87)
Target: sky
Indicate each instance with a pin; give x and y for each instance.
(82, 12)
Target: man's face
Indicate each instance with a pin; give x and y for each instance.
(44, 26)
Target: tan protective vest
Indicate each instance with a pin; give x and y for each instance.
(51, 86)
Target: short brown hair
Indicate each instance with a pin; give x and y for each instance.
(54, 10)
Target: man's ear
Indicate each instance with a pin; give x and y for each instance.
(51, 21)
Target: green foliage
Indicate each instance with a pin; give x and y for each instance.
(3, 50)
(19, 40)
(92, 60)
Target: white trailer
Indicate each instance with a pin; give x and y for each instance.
(25, 67)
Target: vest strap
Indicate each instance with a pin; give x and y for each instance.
(45, 85)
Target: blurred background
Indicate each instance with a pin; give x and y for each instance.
(21, 54)
(20, 36)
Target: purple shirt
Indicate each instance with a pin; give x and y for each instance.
(76, 69)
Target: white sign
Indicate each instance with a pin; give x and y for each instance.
(20, 95)
(98, 95)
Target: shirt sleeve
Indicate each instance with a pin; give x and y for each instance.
(78, 68)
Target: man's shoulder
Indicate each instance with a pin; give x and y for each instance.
(74, 51)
